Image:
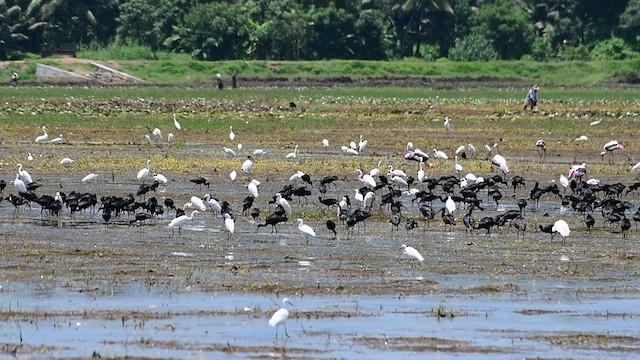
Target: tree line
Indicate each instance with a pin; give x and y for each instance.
(463, 30)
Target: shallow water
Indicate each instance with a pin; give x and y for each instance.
(136, 322)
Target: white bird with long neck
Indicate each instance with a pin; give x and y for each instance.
(421, 173)
(285, 205)
(366, 179)
(66, 161)
(458, 167)
(197, 203)
(376, 170)
(280, 317)
(253, 187)
(24, 175)
(19, 185)
(362, 144)
(325, 143)
(157, 134)
(144, 172)
(292, 155)
(411, 253)
(305, 229)
(175, 122)
(216, 208)
(396, 172)
(232, 135)
(44, 137)
(561, 227)
(180, 220)
(229, 151)
(447, 124)
(229, 224)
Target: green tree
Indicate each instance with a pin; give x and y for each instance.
(508, 28)
(139, 23)
(331, 33)
(473, 47)
(630, 23)
(215, 31)
(411, 19)
(372, 42)
(77, 20)
(278, 29)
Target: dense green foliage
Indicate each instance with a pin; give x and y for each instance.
(317, 30)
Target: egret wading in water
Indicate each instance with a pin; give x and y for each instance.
(280, 317)
(229, 224)
(232, 135)
(175, 122)
(305, 229)
(181, 220)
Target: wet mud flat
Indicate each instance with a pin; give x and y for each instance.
(74, 286)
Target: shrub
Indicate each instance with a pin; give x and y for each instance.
(474, 47)
(542, 49)
(612, 49)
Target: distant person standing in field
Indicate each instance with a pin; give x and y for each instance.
(234, 80)
(532, 97)
(220, 83)
(14, 79)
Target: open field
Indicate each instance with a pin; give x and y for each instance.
(72, 286)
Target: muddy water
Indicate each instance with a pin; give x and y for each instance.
(72, 286)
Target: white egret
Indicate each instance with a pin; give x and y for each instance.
(24, 175)
(636, 166)
(229, 224)
(197, 203)
(411, 253)
(90, 177)
(366, 179)
(239, 146)
(19, 185)
(216, 208)
(582, 138)
(229, 151)
(160, 178)
(247, 165)
(438, 154)
(258, 152)
(564, 181)
(292, 155)
(29, 157)
(58, 140)
(500, 162)
(325, 142)
(144, 172)
(180, 220)
(233, 175)
(376, 170)
(396, 172)
(305, 229)
(147, 138)
(594, 123)
(285, 205)
(457, 166)
(157, 134)
(362, 144)
(461, 151)
(175, 122)
(44, 137)
(171, 138)
(398, 180)
(253, 187)
(349, 150)
(280, 317)
(66, 161)
(421, 173)
(232, 135)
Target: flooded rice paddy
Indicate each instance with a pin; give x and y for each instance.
(76, 287)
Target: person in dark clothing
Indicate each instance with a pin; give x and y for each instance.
(220, 83)
(234, 80)
(14, 79)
